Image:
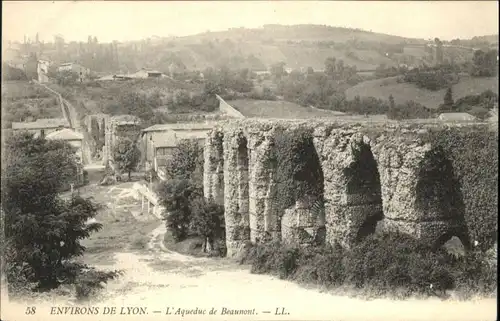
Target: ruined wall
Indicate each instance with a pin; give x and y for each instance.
(117, 127)
(377, 177)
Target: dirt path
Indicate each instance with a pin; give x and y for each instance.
(156, 279)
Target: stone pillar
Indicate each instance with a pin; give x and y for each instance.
(262, 193)
(213, 172)
(235, 209)
(345, 213)
(407, 209)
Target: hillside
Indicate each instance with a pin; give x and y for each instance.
(402, 92)
(298, 46)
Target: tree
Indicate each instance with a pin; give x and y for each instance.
(43, 231)
(66, 77)
(479, 112)
(176, 195)
(330, 66)
(12, 73)
(207, 221)
(126, 155)
(392, 104)
(448, 98)
(186, 161)
(485, 64)
(278, 70)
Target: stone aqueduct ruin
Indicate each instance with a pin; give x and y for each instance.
(374, 175)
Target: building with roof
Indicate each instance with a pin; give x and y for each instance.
(73, 138)
(41, 127)
(144, 73)
(159, 141)
(43, 70)
(456, 117)
(83, 72)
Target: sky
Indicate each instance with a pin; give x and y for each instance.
(134, 20)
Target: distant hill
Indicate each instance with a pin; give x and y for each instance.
(402, 92)
(299, 46)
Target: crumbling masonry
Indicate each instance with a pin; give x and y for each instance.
(377, 176)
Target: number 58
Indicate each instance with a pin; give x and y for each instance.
(30, 310)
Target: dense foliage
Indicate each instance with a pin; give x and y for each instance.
(390, 264)
(188, 213)
(126, 155)
(12, 73)
(476, 105)
(473, 153)
(43, 231)
(432, 78)
(299, 174)
(485, 63)
(176, 195)
(186, 161)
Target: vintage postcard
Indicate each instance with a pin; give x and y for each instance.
(252, 160)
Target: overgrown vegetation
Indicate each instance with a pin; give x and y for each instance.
(126, 155)
(384, 264)
(188, 214)
(473, 153)
(299, 174)
(43, 231)
(477, 105)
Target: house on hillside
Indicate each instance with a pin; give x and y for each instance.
(41, 127)
(73, 138)
(159, 141)
(43, 70)
(456, 117)
(144, 74)
(83, 72)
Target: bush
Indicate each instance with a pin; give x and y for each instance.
(207, 221)
(186, 161)
(387, 263)
(176, 196)
(90, 280)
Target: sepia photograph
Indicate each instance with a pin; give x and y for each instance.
(249, 160)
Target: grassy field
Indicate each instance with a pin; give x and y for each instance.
(277, 109)
(22, 90)
(402, 92)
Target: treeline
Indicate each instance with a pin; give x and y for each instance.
(478, 106)
(483, 64)
(326, 91)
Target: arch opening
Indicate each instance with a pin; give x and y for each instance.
(364, 193)
(439, 198)
(300, 187)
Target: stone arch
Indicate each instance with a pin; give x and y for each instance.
(363, 192)
(303, 218)
(439, 200)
